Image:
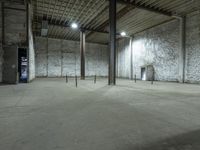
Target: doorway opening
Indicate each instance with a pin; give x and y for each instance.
(143, 73)
(22, 65)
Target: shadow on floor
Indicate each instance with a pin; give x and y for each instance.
(186, 141)
(6, 84)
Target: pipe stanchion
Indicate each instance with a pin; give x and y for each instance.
(135, 78)
(152, 81)
(95, 79)
(152, 78)
(76, 82)
(66, 78)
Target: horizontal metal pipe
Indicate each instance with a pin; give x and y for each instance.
(12, 8)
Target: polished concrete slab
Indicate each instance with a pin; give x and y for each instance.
(49, 114)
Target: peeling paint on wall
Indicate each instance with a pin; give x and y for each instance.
(157, 46)
(31, 46)
(15, 25)
(193, 48)
(15, 29)
(123, 58)
(56, 58)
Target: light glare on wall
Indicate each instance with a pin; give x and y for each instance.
(123, 34)
(74, 25)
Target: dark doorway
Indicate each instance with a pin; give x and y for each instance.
(10, 65)
(143, 73)
(22, 65)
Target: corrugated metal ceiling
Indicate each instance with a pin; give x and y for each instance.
(132, 17)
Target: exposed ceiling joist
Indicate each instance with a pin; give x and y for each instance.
(12, 8)
(130, 6)
(98, 15)
(166, 21)
(14, 1)
(144, 7)
(93, 15)
(56, 23)
(119, 15)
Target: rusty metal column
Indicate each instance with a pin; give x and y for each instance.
(82, 54)
(112, 44)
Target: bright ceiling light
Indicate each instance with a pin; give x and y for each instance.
(74, 25)
(123, 33)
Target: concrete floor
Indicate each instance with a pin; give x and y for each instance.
(49, 114)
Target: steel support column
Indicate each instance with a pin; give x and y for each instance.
(182, 50)
(3, 23)
(131, 58)
(27, 37)
(112, 44)
(82, 54)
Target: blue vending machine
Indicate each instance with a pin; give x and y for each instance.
(24, 71)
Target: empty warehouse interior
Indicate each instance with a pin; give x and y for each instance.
(99, 74)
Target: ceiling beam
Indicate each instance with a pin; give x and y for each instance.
(54, 22)
(156, 25)
(119, 15)
(80, 28)
(147, 8)
(98, 15)
(12, 8)
(14, 1)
